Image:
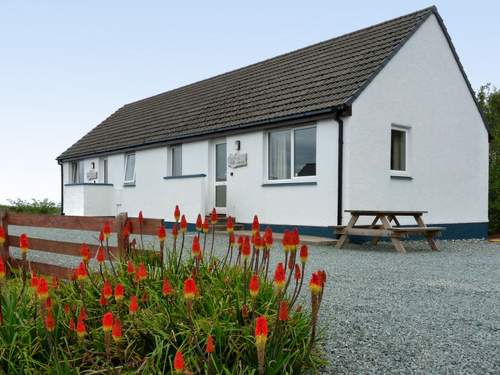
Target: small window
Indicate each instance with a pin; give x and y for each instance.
(176, 160)
(104, 170)
(77, 172)
(129, 169)
(292, 150)
(398, 150)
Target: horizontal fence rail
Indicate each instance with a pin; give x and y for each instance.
(117, 224)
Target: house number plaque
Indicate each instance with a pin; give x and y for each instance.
(237, 160)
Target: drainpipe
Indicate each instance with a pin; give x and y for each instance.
(62, 186)
(340, 167)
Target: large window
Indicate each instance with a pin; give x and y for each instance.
(77, 172)
(292, 151)
(176, 160)
(398, 149)
(129, 169)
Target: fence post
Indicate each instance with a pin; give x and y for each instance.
(4, 250)
(120, 222)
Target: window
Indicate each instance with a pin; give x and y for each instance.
(292, 150)
(176, 160)
(129, 169)
(398, 149)
(77, 172)
(104, 170)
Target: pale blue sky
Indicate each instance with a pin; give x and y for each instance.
(67, 65)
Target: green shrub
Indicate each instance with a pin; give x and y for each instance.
(44, 206)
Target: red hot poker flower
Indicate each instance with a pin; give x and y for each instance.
(254, 285)
(140, 218)
(24, 243)
(50, 323)
(283, 311)
(81, 272)
(255, 224)
(119, 292)
(175, 231)
(210, 346)
(2, 268)
(205, 225)
(245, 248)
(72, 324)
(103, 301)
(116, 331)
(286, 241)
(48, 303)
(279, 277)
(177, 213)
(183, 224)
(315, 283)
(304, 253)
(297, 272)
(126, 232)
(2, 236)
(42, 289)
(166, 289)
(213, 217)
(101, 237)
(196, 249)
(141, 273)
(199, 223)
(130, 267)
(107, 321)
(82, 315)
(261, 331)
(230, 225)
(134, 305)
(268, 237)
(257, 241)
(81, 330)
(106, 230)
(100, 255)
(34, 282)
(107, 290)
(85, 252)
(179, 362)
(231, 239)
(295, 238)
(162, 234)
(189, 289)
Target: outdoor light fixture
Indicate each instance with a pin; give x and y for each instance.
(237, 145)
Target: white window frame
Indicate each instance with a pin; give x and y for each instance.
(170, 169)
(104, 170)
(76, 170)
(125, 181)
(406, 130)
(292, 156)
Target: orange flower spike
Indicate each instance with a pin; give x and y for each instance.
(81, 272)
(184, 224)
(50, 323)
(107, 321)
(103, 301)
(283, 311)
(130, 267)
(34, 282)
(268, 237)
(177, 213)
(257, 241)
(141, 273)
(175, 231)
(315, 283)
(210, 346)
(166, 288)
(48, 303)
(295, 238)
(231, 239)
(162, 234)
(255, 224)
(199, 223)
(85, 252)
(24, 243)
(304, 253)
(195, 248)
(72, 326)
(100, 255)
(205, 225)
(213, 217)
(119, 292)
(297, 274)
(82, 315)
(279, 277)
(179, 362)
(245, 248)
(322, 275)
(126, 232)
(106, 230)
(2, 268)
(140, 218)
(2, 236)
(133, 306)
(254, 285)
(189, 289)
(116, 331)
(230, 225)
(107, 290)
(42, 290)
(260, 331)
(81, 330)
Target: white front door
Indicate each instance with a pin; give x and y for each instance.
(220, 156)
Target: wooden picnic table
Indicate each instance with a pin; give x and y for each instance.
(386, 228)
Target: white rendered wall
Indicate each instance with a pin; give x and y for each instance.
(421, 87)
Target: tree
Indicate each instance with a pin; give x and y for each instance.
(489, 100)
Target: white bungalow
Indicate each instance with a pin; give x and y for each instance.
(381, 118)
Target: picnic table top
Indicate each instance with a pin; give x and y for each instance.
(386, 212)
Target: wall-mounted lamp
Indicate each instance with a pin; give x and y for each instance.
(237, 145)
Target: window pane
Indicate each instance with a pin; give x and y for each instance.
(177, 160)
(279, 155)
(220, 196)
(398, 150)
(130, 167)
(105, 171)
(304, 152)
(74, 172)
(81, 171)
(220, 163)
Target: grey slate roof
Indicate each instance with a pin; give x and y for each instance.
(315, 78)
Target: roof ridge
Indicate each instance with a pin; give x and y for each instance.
(432, 9)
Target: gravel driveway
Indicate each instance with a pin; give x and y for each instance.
(419, 313)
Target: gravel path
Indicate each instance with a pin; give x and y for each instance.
(419, 313)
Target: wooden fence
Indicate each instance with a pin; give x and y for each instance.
(89, 223)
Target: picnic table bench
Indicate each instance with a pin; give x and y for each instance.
(386, 228)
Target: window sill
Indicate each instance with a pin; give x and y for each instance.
(184, 176)
(89, 184)
(129, 184)
(290, 183)
(401, 177)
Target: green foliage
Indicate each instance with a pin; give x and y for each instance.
(35, 206)
(489, 100)
(162, 326)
